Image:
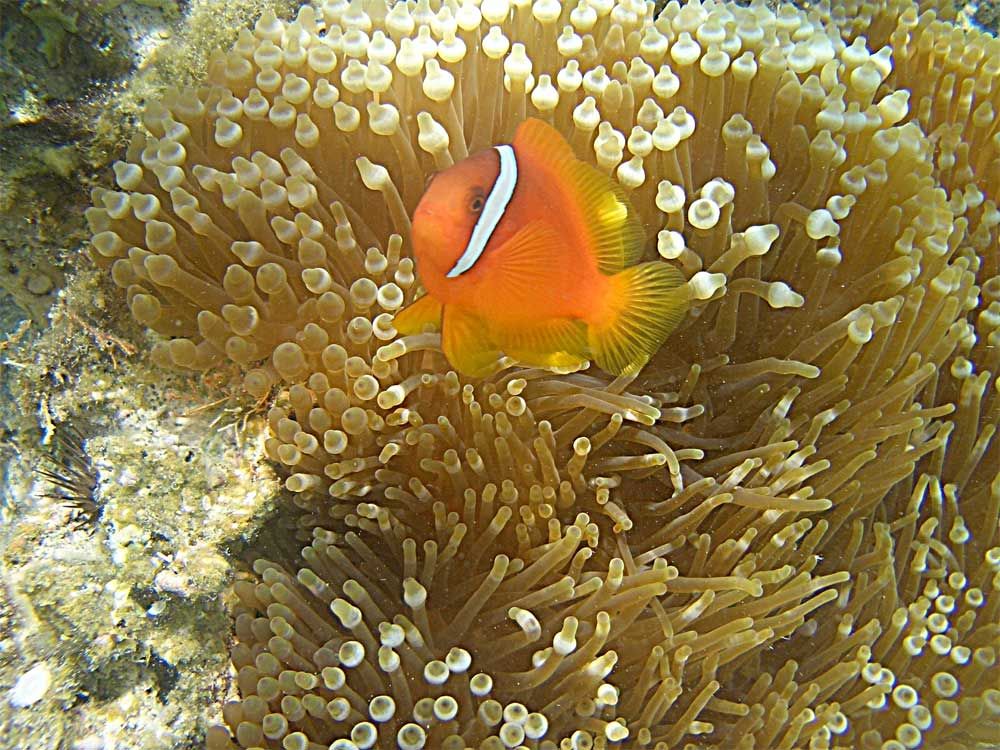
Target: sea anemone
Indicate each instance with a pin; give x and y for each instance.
(782, 533)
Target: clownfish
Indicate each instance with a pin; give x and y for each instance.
(529, 253)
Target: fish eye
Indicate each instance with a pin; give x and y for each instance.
(477, 204)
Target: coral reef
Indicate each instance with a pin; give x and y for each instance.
(55, 56)
(127, 614)
(113, 634)
(65, 106)
(782, 534)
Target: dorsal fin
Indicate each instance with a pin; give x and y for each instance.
(611, 224)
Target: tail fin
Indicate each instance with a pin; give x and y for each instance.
(647, 302)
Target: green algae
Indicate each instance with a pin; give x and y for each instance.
(55, 20)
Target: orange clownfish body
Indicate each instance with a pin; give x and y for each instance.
(527, 252)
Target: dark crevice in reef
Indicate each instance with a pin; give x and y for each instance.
(165, 675)
(278, 538)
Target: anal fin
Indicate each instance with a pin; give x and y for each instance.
(557, 344)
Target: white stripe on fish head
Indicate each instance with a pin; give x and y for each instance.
(493, 211)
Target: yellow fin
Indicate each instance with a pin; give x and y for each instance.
(647, 303)
(560, 343)
(612, 226)
(465, 339)
(422, 315)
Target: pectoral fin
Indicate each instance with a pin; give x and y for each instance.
(523, 264)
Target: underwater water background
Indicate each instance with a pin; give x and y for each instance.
(134, 495)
